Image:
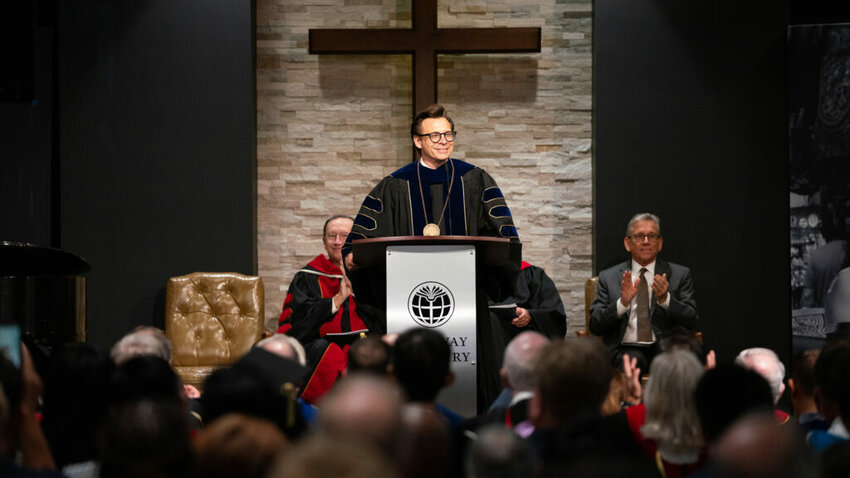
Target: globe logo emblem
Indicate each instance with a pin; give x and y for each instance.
(431, 304)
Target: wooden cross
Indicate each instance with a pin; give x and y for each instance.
(424, 41)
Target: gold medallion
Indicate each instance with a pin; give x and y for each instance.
(431, 230)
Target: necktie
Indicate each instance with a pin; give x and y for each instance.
(644, 329)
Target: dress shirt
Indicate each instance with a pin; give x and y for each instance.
(630, 337)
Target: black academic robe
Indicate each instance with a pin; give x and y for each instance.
(307, 315)
(394, 207)
(474, 206)
(535, 292)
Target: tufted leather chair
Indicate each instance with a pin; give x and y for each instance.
(212, 320)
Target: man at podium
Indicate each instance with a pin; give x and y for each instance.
(437, 195)
(442, 196)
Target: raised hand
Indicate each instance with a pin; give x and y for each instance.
(627, 289)
(659, 287)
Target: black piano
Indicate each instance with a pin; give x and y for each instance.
(43, 291)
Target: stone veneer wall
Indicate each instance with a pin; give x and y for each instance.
(330, 126)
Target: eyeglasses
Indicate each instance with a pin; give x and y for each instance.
(640, 237)
(435, 137)
(336, 235)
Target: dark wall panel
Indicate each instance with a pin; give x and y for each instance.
(158, 150)
(690, 123)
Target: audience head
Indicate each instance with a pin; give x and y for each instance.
(238, 445)
(242, 390)
(284, 346)
(146, 438)
(363, 408)
(728, 392)
(572, 380)
(519, 360)
(425, 446)
(421, 360)
(801, 381)
(831, 381)
(756, 447)
(680, 338)
(76, 396)
(767, 364)
(498, 452)
(146, 377)
(671, 418)
(143, 340)
(323, 456)
(369, 354)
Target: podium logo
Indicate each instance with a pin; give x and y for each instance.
(431, 304)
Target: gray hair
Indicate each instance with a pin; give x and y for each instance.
(643, 216)
(767, 364)
(294, 344)
(144, 340)
(520, 357)
(671, 416)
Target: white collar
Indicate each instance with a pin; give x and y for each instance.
(838, 429)
(520, 396)
(650, 268)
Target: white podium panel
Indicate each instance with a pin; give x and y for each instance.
(434, 287)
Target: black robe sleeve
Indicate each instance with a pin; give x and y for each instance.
(308, 309)
(536, 292)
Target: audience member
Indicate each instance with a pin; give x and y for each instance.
(421, 366)
(323, 456)
(365, 409)
(261, 384)
(369, 354)
(425, 447)
(518, 377)
(75, 401)
(500, 453)
(832, 389)
(284, 346)
(291, 349)
(666, 423)
(570, 432)
(238, 445)
(680, 338)
(150, 341)
(146, 437)
(801, 385)
(767, 364)
(142, 340)
(754, 447)
(726, 393)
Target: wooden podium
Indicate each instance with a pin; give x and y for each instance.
(441, 283)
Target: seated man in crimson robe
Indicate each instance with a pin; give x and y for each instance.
(319, 311)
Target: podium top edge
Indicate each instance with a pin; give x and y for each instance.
(405, 240)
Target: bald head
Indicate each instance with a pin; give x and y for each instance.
(520, 356)
(364, 408)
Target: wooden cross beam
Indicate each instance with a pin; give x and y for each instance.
(424, 41)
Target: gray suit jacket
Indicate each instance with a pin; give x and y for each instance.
(682, 311)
